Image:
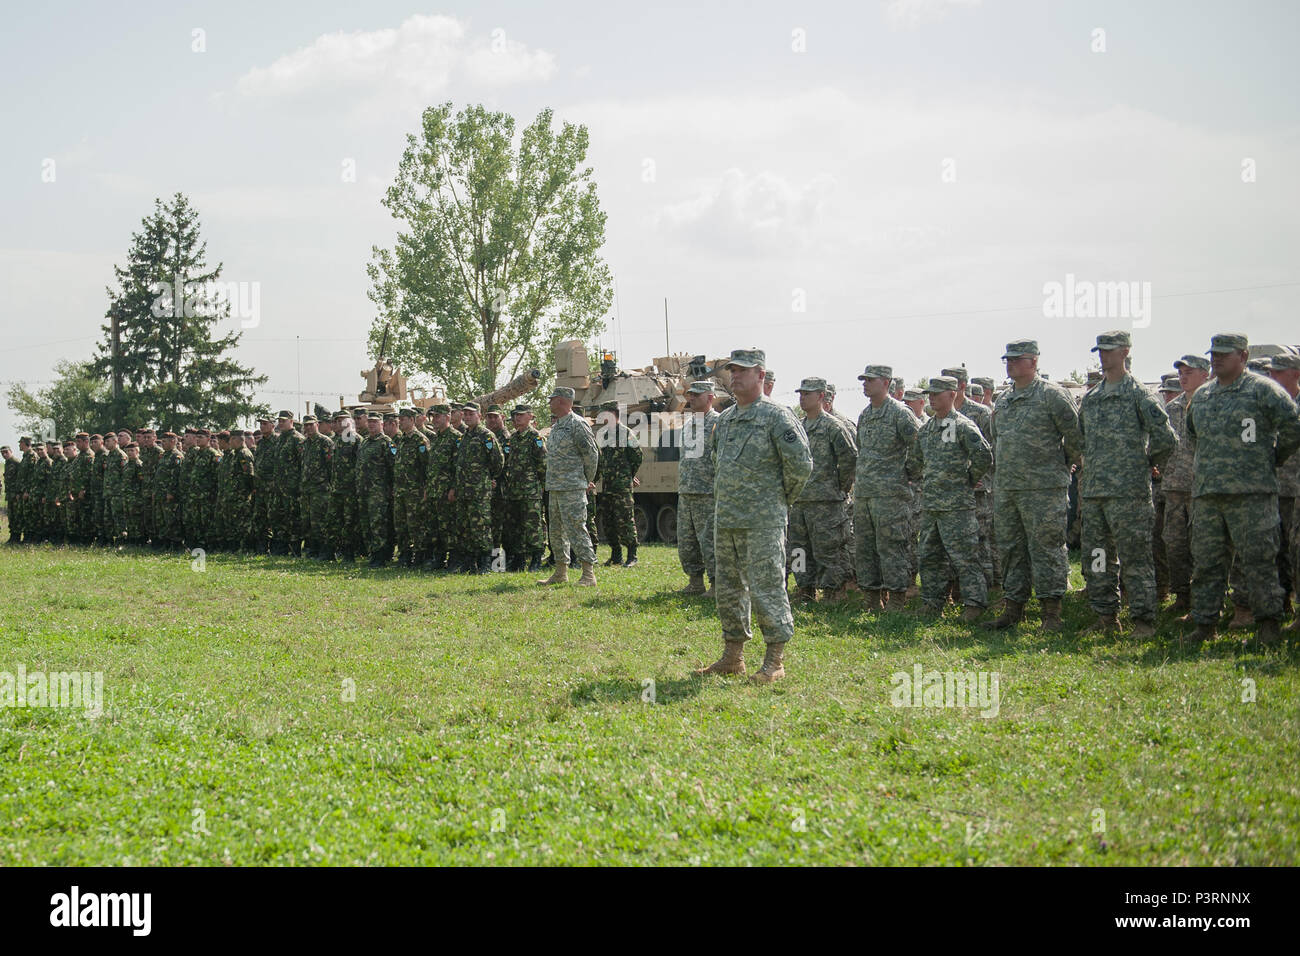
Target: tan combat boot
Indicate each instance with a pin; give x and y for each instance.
(732, 660)
(696, 585)
(771, 669)
(1051, 616)
(559, 576)
(588, 579)
(1012, 614)
(897, 601)
(971, 613)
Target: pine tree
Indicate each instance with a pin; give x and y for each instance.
(166, 367)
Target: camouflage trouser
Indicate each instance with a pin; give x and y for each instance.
(1116, 539)
(474, 515)
(407, 518)
(567, 523)
(1287, 568)
(1244, 528)
(1240, 591)
(524, 531)
(1176, 535)
(199, 526)
(951, 538)
(751, 574)
(238, 523)
(882, 527)
(499, 512)
(314, 505)
(913, 533)
(695, 535)
(168, 520)
(615, 517)
(135, 519)
(1030, 528)
(988, 546)
(341, 529)
(85, 518)
(1159, 556)
(263, 495)
(820, 545)
(115, 529)
(286, 517)
(377, 521)
(443, 525)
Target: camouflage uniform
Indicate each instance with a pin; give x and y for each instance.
(83, 480)
(761, 462)
(188, 518)
(133, 493)
(13, 497)
(202, 497)
(26, 484)
(523, 483)
(983, 420)
(479, 461)
(240, 467)
(502, 438)
(314, 493)
(263, 491)
(571, 460)
(620, 457)
(115, 495)
(1239, 433)
(286, 506)
(1036, 437)
(882, 500)
(149, 457)
(950, 456)
(410, 474)
(1125, 431)
(342, 527)
(375, 483)
(96, 494)
(695, 495)
(441, 479)
(167, 482)
(1176, 483)
(819, 527)
(57, 502)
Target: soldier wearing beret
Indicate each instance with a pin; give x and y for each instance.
(202, 492)
(167, 494)
(1036, 439)
(1126, 433)
(479, 462)
(442, 533)
(761, 463)
(523, 484)
(263, 485)
(620, 457)
(1242, 426)
(571, 461)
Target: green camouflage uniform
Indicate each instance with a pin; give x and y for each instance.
(202, 498)
(761, 462)
(882, 500)
(950, 456)
(263, 490)
(99, 507)
(502, 437)
(821, 542)
(1240, 433)
(115, 495)
(1036, 437)
(522, 485)
(149, 458)
(1288, 491)
(479, 460)
(441, 514)
(133, 492)
(695, 505)
(1176, 484)
(983, 419)
(314, 491)
(13, 496)
(241, 482)
(1125, 431)
(286, 506)
(343, 527)
(410, 476)
(189, 520)
(167, 484)
(26, 485)
(571, 461)
(83, 480)
(375, 484)
(620, 457)
(57, 510)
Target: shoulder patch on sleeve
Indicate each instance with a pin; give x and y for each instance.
(790, 435)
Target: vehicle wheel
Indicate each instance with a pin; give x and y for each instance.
(666, 524)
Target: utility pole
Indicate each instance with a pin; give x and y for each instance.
(117, 351)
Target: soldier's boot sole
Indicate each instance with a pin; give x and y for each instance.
(732, 660)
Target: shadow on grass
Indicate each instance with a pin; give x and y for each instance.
(626, 690)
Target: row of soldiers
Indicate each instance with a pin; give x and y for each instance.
(447, 489)
(1201, 478)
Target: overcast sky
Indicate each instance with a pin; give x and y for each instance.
(912, 172)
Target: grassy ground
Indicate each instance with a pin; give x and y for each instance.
(495, 721)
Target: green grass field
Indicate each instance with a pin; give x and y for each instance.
(498, 722)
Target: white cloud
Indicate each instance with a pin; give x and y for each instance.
(909, 14)
(415, 62)
(739, 209)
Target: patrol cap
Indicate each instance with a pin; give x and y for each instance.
(374, 417)
(748, 358)
(812, 385)
(264, 419)
(390, 416)
(1284, 361)
(769, 375)
(440, 408)
(1194, 361)
(975, 390)
(341, 413)
(958, 372)
(877, 371)
(983, 380)
(830, 389)
(521, 410)
(309, 419)
(611, 406)
(942, 383)
(470, 407)
(1020, 348)
(1228, 342)
(1118, 339)
(896, 383)
(225, 433)
(1258, 365)
(561, 391)
(702, 387)
(285, 414)
(406, 413)
(495, 408)
(912, 394)
(1170, 384)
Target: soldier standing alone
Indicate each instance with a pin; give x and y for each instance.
(572, 458)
